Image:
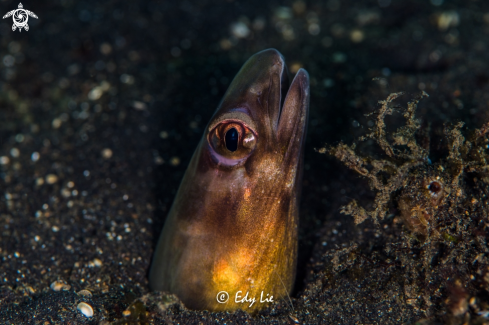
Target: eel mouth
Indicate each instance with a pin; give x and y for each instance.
(284, 86)
(278, 78)
(263, 90)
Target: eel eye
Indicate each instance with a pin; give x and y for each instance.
(232, 140)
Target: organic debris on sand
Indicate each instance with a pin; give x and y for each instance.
(442, 211)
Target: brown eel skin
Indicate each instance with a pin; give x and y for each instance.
(231, 234)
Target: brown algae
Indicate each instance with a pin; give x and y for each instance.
(443, 206)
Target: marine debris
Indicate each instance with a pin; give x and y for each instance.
(443, 206)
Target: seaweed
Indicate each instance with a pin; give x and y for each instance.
(397, 168)
(443, 206)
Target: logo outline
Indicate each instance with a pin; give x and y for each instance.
(222, 297)
(20, 16)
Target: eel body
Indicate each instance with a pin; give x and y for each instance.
(232, 229)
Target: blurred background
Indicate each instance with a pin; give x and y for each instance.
(103, 103)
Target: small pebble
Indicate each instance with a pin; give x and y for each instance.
(58, 286)
(299, 7)
(240, 30)
(85, 309)
(159, 160)
(105, 48)
(126, 313)
(95, 93)
(314, 29)
(56, 123)
(19, 138)
(357, 36)
(448, 19)
(163, 134)
(225, 44)
(127, 79)
(106, 153)
(175, 161)
(294, 319)
(97, 262)
(139, 105)
(294, 67)
(4, 160)
(35, 156)
(65, 192)
(51, 179)
(84, 293)
(14, 152)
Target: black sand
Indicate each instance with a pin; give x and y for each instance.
(113, 97)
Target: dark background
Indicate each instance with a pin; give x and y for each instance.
(114, 96)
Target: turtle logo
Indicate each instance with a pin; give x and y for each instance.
(20, 16)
